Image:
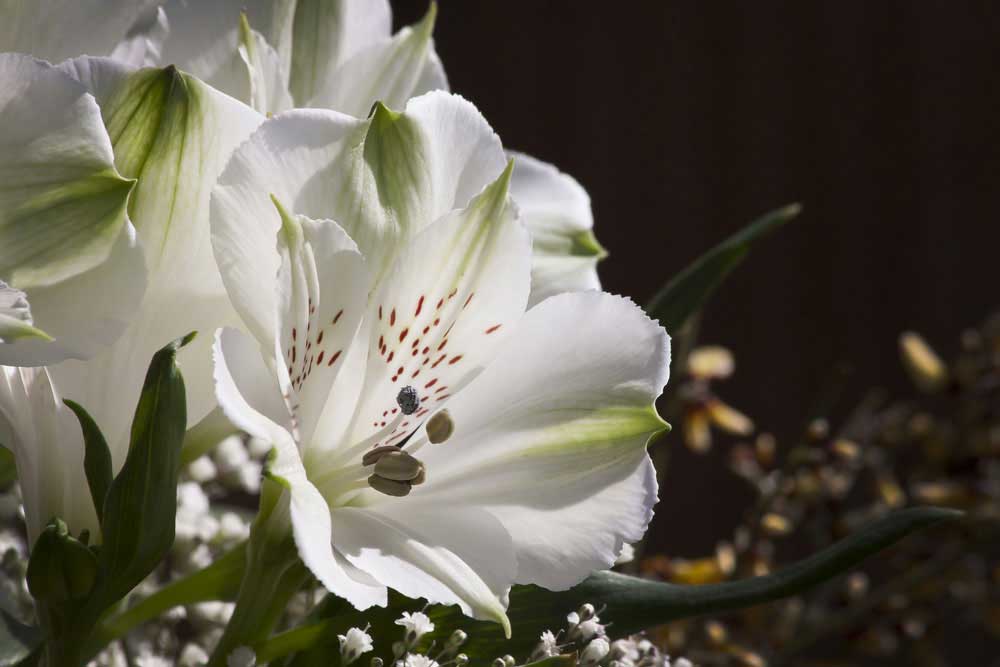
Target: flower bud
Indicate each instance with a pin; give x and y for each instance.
(61, 568)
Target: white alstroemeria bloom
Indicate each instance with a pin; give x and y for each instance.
(340, 55)
(71, 270)
(157, 140)
(383, 275)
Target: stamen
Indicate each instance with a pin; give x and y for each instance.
(398, 466)
(440, 427)
(389, 487)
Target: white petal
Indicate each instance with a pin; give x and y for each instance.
(325, 34)
(267, 78)
(48, 448)
(462, 557)
(55, 29)
(247, 398)
(382, 179)
(65, 237)
(390, 71)
(172, 133)
(556, 210)
(322, 291)
(144, 43)
(204, 38)
(443, 309)
(551, 436)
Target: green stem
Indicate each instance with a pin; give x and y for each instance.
(270, 582)
(291, 641)
(218, 581)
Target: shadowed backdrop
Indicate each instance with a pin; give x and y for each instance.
(684, 120)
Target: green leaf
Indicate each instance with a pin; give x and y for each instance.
(631, 604)
(219, 581)
(8, 468)
(564, 660)
(17, 640)
(688, 291)
(139, 510)
(96, 457)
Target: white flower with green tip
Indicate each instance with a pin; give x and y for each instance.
(104, 248)
(341, 55)
(431, 434)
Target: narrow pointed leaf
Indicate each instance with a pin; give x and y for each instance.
(139, 510)
(96, 457)
(631, 604)
(688, 291)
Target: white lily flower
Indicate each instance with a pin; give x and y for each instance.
(101, 136)
(403, 323)
(340, 55)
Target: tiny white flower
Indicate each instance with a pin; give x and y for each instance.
(192, 655)
(546, 647)
(590, 628)
(232, 528)
(241, 657)
(682, 662)
(416, 624)
(231, 454)
(202, 470)
(352, 645)
(417, 660)
(595, 652)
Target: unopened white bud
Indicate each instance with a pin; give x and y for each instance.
(508, 661)
(202, 470)
(586, 611)
(376, 662)
(595, 652)
(456, 639)
(192, 656)
(461, 660)
(499, 663)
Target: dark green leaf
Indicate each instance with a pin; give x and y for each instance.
(564, 660)
(632, 604)
(17, 641)
(139, 510)
(688, 291)
(8, 469)
(96, 457)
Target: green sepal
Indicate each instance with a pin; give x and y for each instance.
(688, 291)
(631, 604)
(96, 457)
(61, 567)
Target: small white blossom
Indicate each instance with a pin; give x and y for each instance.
(192, 655)
(232, 528)
(682, 662)
(248, 477)
(231, 454)
(354, 644)
(416, 660)
(547, 647)
(241, 657)
(153, 660)
(202, 470)
(595, 652)
(417, 625)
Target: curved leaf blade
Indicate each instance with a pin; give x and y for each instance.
(632, 604)
(96, 457)
(688, 291)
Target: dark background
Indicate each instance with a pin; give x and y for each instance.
(684, 120)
